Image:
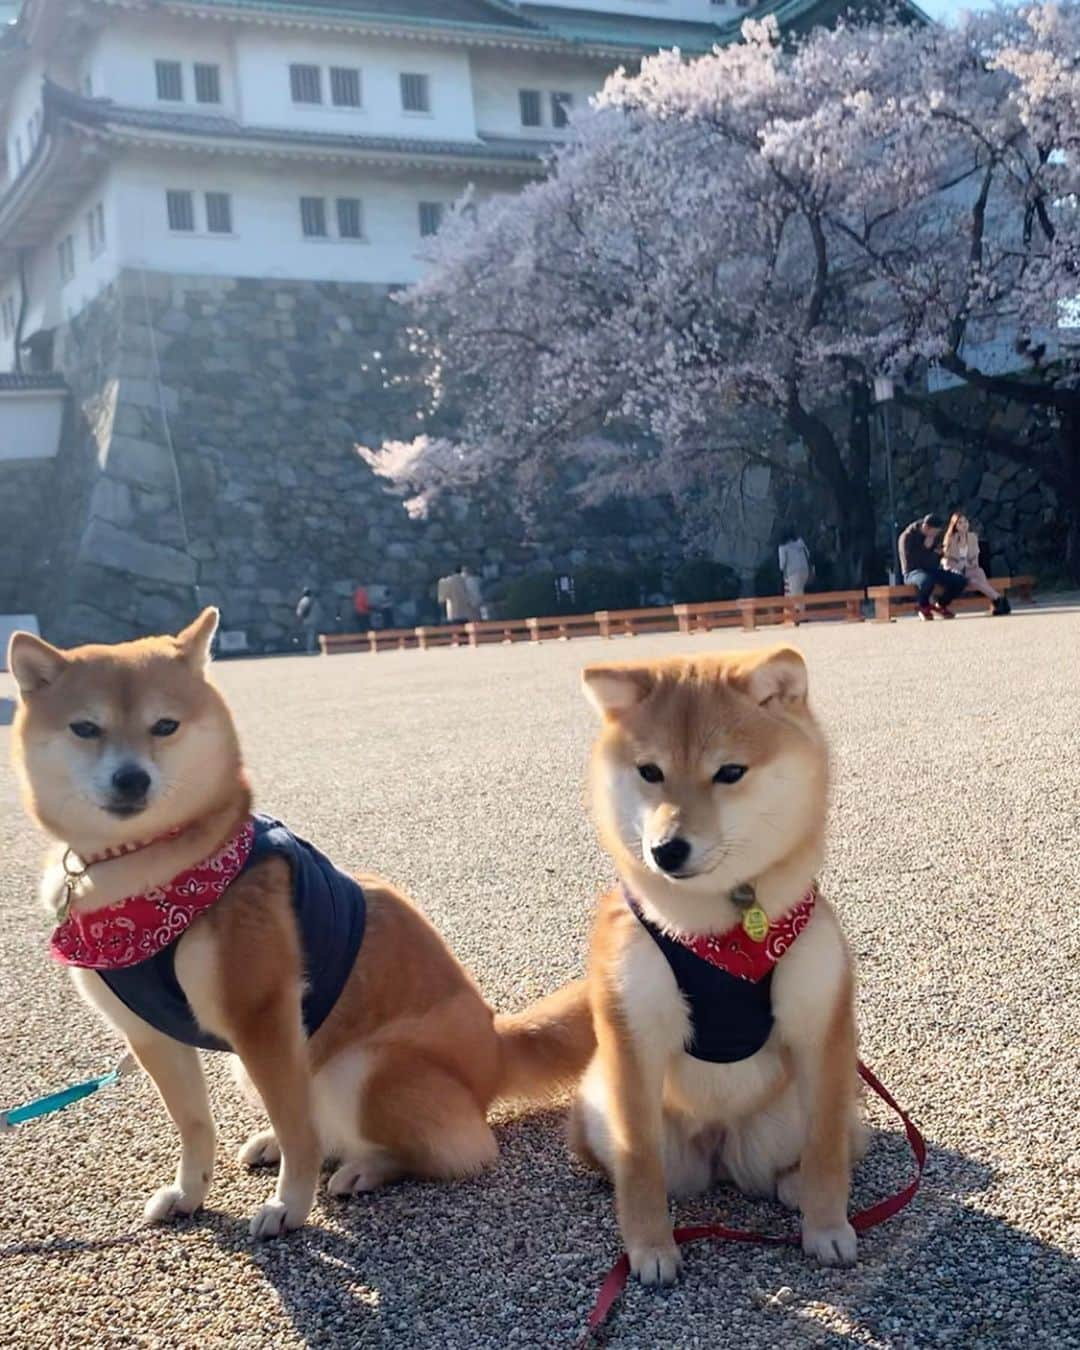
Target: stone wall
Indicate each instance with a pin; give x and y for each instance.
(234, 479)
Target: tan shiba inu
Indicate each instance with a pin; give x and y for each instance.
(721, 985)
(129, 759)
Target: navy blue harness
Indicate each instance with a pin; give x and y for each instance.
(730, 1018)
(330, 914)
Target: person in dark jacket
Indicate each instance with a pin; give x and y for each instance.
(920, 563)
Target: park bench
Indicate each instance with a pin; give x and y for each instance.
(792, 609)
(497, 630)
(892, 601)
(564, 626)
(630, 622)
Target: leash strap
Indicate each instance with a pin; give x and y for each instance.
(617, 1276)
(56, 1101)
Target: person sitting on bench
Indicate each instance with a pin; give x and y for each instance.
(960, 553)
(921, 565)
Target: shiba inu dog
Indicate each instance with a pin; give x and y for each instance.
(720, 982)
(187, 921)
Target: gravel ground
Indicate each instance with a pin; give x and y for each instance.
(459, 774)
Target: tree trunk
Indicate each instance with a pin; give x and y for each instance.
(849, 487)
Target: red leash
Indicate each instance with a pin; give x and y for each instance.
(615, 1281)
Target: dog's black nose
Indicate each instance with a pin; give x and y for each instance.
(671, 855)
(131, 782)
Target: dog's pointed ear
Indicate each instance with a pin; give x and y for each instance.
(34, 662)
(194, 640)
(615, 689)
(775, 675)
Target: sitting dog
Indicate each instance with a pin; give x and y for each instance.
(188, 922)
(720, 982)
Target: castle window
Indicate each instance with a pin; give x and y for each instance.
(180, 207)
(531, 107)
(345, 89)
(350, 218)
(207, 83)
(560, 109)
(170, 81)
(306, 84)
(415, 93)
(65, 253)
(313, 217)
(431, 214)
(219, 213)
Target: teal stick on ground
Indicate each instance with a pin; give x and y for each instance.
(56, 1101)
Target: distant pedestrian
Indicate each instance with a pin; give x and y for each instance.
(920, 563)
(456, 596)
(309, 617)
(960, 553)
(476, 598)
(794, 559)
(361, 609)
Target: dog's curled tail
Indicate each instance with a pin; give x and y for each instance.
(547, 1046)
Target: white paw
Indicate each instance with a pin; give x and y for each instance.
(787, 1189)
(170, 1203)
(831, 1246)
(356, 1178)
(261, 1150)
(656, 1265)
(274, 1219)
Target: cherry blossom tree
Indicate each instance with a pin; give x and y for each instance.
(729, 249)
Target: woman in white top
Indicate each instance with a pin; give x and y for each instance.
(794, 560)
(960, 553)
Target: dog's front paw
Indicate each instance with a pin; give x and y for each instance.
(657, 1263)
(171, 1202)
(831, 1246)
(276, 1218)
(261, 1150)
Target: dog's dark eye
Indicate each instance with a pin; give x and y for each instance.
(86, 731)
(652, 773)
(729, 773)
(164, 726)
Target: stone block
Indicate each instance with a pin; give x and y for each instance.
(989, 487)
(122, 551)
(139, 461)
(949, 463)
(111, 500)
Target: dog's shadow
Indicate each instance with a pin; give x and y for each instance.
(522, 1250)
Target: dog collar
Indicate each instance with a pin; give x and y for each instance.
(140, 926)
(735, 950)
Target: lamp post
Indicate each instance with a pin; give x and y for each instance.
(884, 390)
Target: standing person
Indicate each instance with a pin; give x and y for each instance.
(920, 563)
(475, 595)
(309, 615)
(454, 596)
(794, 559)
(361, 609)
(960, 553)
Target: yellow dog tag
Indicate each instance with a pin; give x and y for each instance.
(755, 923)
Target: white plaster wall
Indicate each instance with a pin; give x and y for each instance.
(263, 60)
(30, 423)
(267, 239)
(498, 79)
(120, 62)
(24, 103)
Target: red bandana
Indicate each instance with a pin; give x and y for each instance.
(737, 953)
(139, 927)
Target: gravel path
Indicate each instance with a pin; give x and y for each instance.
(955, 867)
